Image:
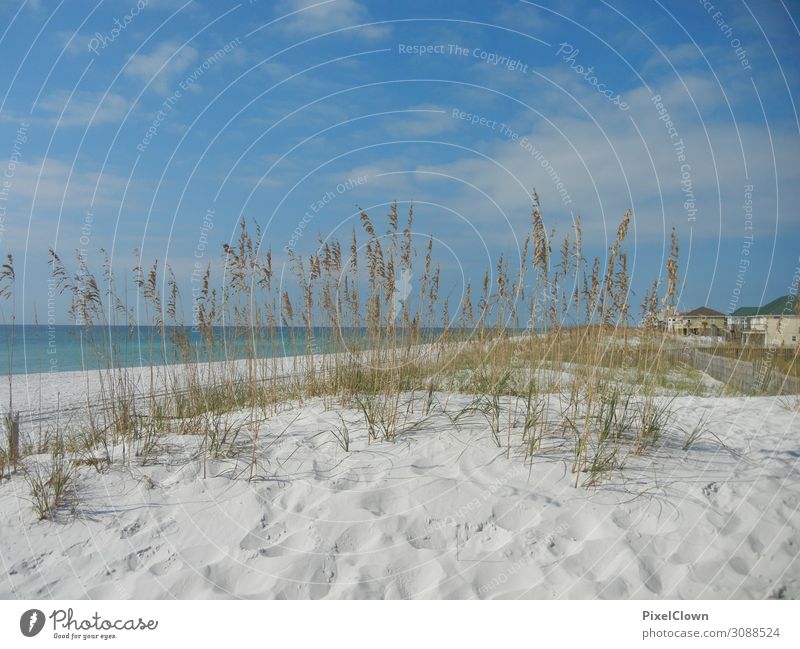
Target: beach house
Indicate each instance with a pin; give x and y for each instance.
(698, 322)
(776, 324)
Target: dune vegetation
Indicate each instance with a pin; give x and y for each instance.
(543, 347)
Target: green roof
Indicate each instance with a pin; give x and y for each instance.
(785, 305)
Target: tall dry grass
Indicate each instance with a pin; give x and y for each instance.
(558, 324)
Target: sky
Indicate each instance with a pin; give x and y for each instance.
(158, 125)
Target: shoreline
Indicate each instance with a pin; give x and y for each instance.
(307, 499)
(70, 388)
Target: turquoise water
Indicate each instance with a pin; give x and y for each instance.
(66, 348)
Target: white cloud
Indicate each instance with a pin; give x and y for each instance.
(47, 184)
(424, 122)
(525, 18)
(161, 66)
(321, 16)
(73, 43)
(606, 171)
(84, 108)
(171, 5)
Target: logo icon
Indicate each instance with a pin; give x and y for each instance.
(31, 622)
(401, 293)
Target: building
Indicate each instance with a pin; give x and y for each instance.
(776, 324)
(698, 322)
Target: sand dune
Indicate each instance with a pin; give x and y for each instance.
(441, 512)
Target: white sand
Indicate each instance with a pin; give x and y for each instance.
(439, 513)
(41, 396)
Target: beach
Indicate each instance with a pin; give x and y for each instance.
(440, 511)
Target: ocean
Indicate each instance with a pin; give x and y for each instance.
(27, 349)
(65, 348)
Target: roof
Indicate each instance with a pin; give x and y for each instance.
(784, 305)
(703, 311)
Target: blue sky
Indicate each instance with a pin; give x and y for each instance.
(140, 126)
